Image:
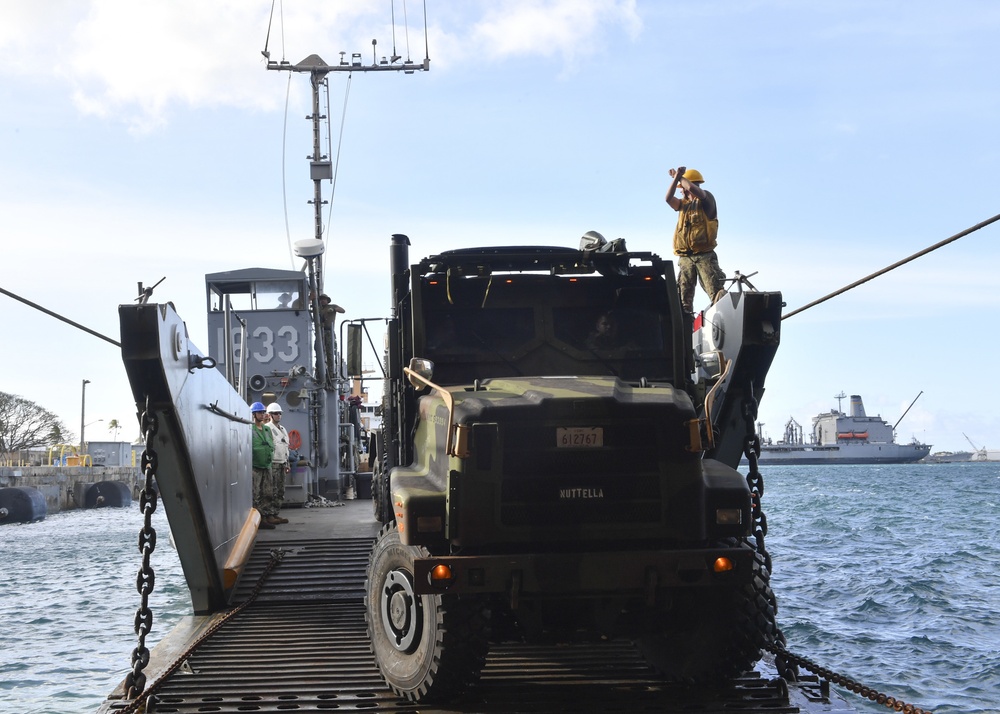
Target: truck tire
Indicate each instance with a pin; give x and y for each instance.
(711, 635)
(427, 647)
(378, 492)
(380, 481)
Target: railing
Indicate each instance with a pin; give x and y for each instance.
(73, 459)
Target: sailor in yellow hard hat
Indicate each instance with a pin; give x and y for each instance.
(695, 236)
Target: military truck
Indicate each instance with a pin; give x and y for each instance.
(545, 467)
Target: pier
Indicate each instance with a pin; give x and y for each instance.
(66, 488)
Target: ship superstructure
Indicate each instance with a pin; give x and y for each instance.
(839, 438)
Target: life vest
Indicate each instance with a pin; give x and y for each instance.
(695, 232)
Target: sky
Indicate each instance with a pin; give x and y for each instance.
(142, 141)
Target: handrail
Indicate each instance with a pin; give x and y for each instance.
(62, 452)
(449, 402)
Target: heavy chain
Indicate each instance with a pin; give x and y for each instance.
(135, 681)
(755, 480)
(751, 449)
(869, 693)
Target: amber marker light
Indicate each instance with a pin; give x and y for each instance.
(722, 565)
(441, 575)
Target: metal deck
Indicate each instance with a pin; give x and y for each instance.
(301, 646)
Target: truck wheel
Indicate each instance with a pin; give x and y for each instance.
(380, 481)
(714, 634)
(427, 647)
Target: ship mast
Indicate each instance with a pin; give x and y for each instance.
(325, 422)
(320, 165)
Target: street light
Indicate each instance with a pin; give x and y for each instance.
(83, 411)
(90, 423)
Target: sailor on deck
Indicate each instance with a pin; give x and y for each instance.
(695, 236)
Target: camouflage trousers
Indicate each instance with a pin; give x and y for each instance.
(265, 492)
(278, 474)
(703, 268)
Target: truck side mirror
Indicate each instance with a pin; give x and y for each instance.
(354, 349)
(423, 369)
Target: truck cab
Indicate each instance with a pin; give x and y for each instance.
(542, 472)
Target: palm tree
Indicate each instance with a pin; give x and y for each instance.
(114, 426)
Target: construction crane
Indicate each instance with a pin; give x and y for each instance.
(977, 453)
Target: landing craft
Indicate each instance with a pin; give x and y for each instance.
(547, 519)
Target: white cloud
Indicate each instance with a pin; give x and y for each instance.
(561, 27)
(134, 61)
(197, 57)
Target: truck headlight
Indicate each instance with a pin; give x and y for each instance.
(728, 516)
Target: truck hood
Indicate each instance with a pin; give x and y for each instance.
(577, 394)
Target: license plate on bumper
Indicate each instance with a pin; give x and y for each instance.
(579, 436)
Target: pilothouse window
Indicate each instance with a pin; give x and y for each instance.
(278, 296)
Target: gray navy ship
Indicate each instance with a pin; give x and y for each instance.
(839, 438)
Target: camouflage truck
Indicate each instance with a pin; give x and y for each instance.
(544, 469)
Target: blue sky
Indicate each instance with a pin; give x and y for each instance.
(145, 140)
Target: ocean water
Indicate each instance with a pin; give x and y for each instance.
(68, 599)
(889, 575)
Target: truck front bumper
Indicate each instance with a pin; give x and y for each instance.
(582, 574)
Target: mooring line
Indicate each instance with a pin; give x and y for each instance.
(56, 315)
(925, 251)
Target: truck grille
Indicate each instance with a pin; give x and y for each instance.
(544, 485)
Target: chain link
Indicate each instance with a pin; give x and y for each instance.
(755, 480)
(867, 692)
(135, 681)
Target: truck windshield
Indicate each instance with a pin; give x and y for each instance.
(544, 325)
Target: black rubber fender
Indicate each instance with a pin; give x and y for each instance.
(107, 494)
(22, 504)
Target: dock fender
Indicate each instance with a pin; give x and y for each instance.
(21, 504)
(107, 494)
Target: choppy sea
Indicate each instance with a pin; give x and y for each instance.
(889, 575)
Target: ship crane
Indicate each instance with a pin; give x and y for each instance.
(907, 410)
(977, 453)
(793, 432)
